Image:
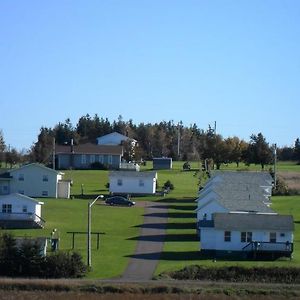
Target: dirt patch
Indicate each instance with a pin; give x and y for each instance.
(292, 179)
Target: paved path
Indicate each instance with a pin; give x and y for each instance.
(150, 243)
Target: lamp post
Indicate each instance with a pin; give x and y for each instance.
(89, 252)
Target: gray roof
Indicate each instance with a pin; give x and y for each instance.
(261, 178)
(119, 174)
(89, 148)
(238, 204)
(248, 222)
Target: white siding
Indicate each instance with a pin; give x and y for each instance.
(18, 202)
(33, 184)
(132, 185)
(209, 209)
(212, 239)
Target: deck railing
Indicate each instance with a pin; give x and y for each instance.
(269, 246)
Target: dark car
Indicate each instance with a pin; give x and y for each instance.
(119, 200)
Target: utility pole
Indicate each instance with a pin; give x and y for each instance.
(275, 165)
(178, 141)
(89, 242)
(53, 154)
(215, 128)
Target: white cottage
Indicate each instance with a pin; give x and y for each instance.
(248, 234)
(35, 180)
(130, 182)
(20, 211)
(115, 138)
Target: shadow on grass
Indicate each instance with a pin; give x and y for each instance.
(190, 225)
(168, 255)
(174, 200)
(177, 207)
(172, 215)
(85, 197)
(166, 237)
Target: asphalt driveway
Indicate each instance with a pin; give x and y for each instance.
(150, 243)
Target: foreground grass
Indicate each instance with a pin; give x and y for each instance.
(72, 289)
(117, 224)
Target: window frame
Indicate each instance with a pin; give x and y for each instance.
(227, 236)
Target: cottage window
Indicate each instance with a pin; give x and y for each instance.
(110, 159)
(83, 159)
(141, 182)
(227, 236)
(45, 193)
(24, 209)
(101, 159)
(272, 237)
(92, 159)
(21, 177)
(6, 208)
(205, 216)
(45, 178)
(120, 182)
(246, 237)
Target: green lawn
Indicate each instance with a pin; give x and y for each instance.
(120, 224)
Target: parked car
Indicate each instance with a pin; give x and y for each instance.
(119, 200)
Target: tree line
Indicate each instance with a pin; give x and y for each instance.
(186, 143)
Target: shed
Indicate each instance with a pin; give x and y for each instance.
(162, 163)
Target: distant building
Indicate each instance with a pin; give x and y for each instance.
(162, 163)
(85, 155)
(115, 138)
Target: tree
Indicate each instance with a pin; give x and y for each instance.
(2, 147)
(42, 149)
(236, 149)
(297, 150)
(258, 151)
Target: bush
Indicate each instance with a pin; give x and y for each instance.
(168, 185)
(98, 166)
(238, 274)
(28, 261)
(64, 265)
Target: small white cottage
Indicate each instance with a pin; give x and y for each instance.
(248, 234)
(20, 211)
(130, 182)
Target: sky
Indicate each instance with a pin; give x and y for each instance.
(195, 61)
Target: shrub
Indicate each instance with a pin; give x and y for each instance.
(238, 274)
(27, 260)
(64, 265)
(98, 166)
(168, 185)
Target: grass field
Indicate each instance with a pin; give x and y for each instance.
(120, 224)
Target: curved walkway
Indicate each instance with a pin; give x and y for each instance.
(150, 243)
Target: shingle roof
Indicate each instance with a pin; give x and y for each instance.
(89, 149)
(248, 222)
(35, 165)
(132, 174)
(262, 178)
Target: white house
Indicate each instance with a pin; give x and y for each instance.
(248, 234)
(20, 211)
(115, 138)
(130, 182)
(35, 180)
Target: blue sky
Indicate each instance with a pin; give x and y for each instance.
(234, 62)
